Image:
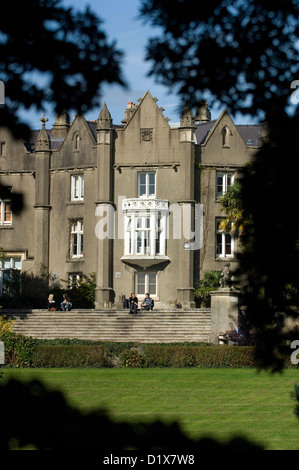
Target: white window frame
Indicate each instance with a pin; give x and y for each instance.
(147, 288)
(77, 187)
(225, 176)
(222, 234)
(77, 234)
(3, 203)
(12, 262)
(75, 279)
(147, 184)
(145, 232)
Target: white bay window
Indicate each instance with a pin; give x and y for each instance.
(145, 223)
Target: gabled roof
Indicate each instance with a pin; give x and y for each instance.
(251, 133)
(202, 131)
(141, 102)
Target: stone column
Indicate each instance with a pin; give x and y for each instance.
(186, 199)
(42, 199)
(104, 293)
(224, 302)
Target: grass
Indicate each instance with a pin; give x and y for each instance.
(219, 403)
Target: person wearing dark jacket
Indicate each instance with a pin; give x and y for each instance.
(147, 303)
(133, 301)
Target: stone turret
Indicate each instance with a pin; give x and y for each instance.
(43, 141)
(104, 293)
(187, 118)
(187, 125)
(104, 120)
(42, 198)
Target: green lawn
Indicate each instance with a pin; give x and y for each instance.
(216, 402)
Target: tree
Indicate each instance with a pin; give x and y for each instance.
(245, 55)
(232, 207)
(270, 256)
(210, 282)
(67, 50)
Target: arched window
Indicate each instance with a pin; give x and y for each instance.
(226, 133)
(76, 141)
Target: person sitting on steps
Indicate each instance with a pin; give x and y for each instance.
(147, 303)
(133, 301)
(66, 304)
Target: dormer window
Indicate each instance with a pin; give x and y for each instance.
(147, 184)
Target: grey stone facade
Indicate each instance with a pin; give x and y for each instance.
(145, 174)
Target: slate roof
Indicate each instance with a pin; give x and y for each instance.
(250, 133)
(203, 130)
(55, 143)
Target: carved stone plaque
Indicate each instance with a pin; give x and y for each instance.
(146, 135)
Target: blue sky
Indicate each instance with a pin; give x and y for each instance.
(122, 25)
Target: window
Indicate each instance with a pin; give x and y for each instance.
(146, 282)
(76, 141)
(5, 213)
(223, 181)
(75, 280)
(224, 242)
(77, 187)
(10, 275)
(2, 149)
(226, 133)
(145, 234)
(76, 239)
(147, 184)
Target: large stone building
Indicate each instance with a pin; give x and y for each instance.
(122, 200)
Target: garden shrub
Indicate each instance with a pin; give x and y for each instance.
(132, 358)
(199, 356)
(6, 325)
(19, 349)
(71, 356)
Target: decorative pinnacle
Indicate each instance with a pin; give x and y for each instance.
(43, 120)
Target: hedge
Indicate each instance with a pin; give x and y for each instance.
(71, 356)
(22, 351)
(199, 356)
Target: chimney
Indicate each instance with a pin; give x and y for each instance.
(131, 108)
(61, 125)
(203, 113)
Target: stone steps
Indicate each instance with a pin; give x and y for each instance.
(116, 326)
